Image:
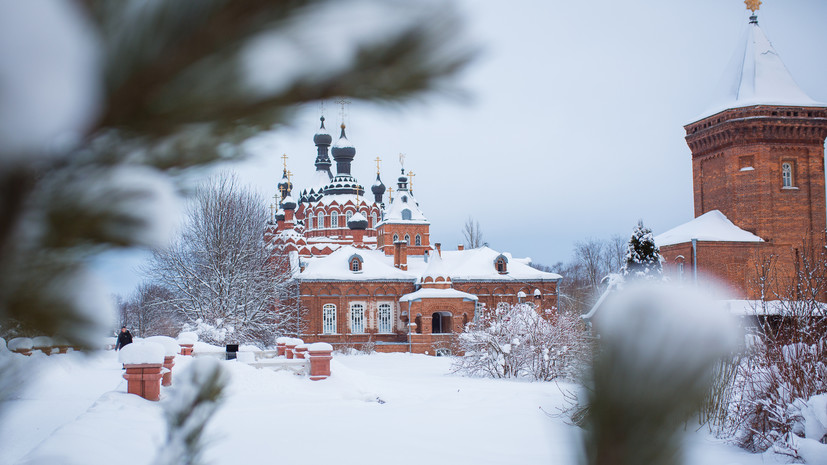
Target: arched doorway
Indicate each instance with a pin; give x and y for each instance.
(441, 322)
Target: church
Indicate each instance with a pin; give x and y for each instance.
(368, 271)
(758, 180)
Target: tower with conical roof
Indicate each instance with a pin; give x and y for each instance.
(403, 220)
(758, 173)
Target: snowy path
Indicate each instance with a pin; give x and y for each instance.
(425, 416)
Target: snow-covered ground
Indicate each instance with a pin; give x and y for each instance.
(380, 408)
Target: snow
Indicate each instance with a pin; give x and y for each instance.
(358, 216)
(91, 420)
(42, 341)
(711, 226)
(21, 343)
(187, 337)
(393, 212)
(757, 76)
(141, 352)
(319, 346)
(437, 294)
(170, 345)
(459, 265)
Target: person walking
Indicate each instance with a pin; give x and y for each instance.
(124, 338)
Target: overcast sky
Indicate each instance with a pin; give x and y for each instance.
(574, 125)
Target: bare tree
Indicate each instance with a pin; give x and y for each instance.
(224, 282)
(472, 234)
(589, 254)
(614, 253)
(148, 311)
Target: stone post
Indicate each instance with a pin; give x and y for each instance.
(300, 351)
(186, 349)
(290, 347)
(281, 345)
(144, 379)
(321, 353)
(169, 362)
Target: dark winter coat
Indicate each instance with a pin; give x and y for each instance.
(124, 338)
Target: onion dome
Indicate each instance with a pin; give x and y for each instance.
(402, 182)
(378, 189)
(285, 186)
(357, 221)
(322, 137)
(343, 153)
(287, 203)
(280, 214)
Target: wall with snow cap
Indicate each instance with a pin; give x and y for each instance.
(141, 352)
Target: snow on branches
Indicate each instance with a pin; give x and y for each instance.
(516, 341)
(643, 259)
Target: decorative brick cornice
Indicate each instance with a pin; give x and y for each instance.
(757, 124)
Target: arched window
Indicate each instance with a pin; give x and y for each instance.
(395, 237)
(348, 215)
(329, 319)
(407, 239)
(355, 263)
(373, 220)
(406, 214)
(501, 263)
(334, 220)
(309, 220)
(320, 221)
(357, 318)
(404, 199)
(786, 175)
(418, 240)
(385, 318)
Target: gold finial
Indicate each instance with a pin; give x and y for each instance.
(284, 158)
(377, 164)
(282, 189)
(290, 176)
(410, 180)
(753, 5)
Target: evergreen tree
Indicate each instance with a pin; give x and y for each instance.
(643, 259)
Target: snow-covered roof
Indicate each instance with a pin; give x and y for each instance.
(437, 294)
(435, 268)
(459, 265)
(404, 201)
(757, 76)
(320, 179)
(711, 226)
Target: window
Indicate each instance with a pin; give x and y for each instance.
(395, 237)
(334, 220)
(329, 319)
(786, 175)
(310, 220)
(406, 214)
(680, 271)
(405, 199)
(355, 263)
(357, 318)
(373, 220)
(407, 238)
(348, 216)
(385, 321)
(418, 240)
(501, 263)
(320, 221)
(478, 309)
(502, 307)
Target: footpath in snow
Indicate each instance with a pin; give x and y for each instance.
(400, 408)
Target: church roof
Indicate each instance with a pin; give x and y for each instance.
(711, 226)
(757, 76)
(395, 212)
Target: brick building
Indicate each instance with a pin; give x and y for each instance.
(369, 273)
(758, 177)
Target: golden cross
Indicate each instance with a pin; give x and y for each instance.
(276, 196)
(290, 176)
(284, 157)
(272, 210)
(753, 5)
(343, 101)
(411, 176)
(390, 194)
(377, 164)
(281, 189)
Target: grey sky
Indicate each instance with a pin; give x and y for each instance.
(574, 128)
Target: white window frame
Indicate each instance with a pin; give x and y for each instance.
(418, 240)
(348, 216)
(786, 174)
(408, 239)
(384, 317)
(309, 220)
(328, 319)
(373, 219)
(334, 219)
(320, 221)
(395, 238)
(357, 317)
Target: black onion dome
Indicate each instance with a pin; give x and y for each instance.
(288, 203)
(357, 221)
(285, 186)
(343, 149)
(378, 188)
(322, 137)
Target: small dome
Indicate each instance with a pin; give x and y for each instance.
(357, 221)
(280, 215)
(343, 148)
(378, 188)
(285, 186)
(322, 137)
(288, 203)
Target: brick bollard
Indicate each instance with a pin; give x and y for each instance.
(144, 379)
(21, 345)
(301, 351)
(281, 345)
(169, 362)
(321, 353)
(43, 344)
(186, 349)
(290, 347)
(186, 340)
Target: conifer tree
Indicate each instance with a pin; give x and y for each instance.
(643, 259)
